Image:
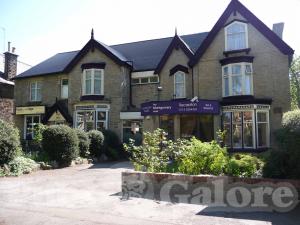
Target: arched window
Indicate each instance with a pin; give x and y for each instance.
(236, 36)
(179, 85)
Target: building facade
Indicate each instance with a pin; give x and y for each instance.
(235, 78)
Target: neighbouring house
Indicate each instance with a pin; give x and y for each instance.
(7, 86)
(235, 77)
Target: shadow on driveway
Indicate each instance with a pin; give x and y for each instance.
(275, 218)
(112, 165)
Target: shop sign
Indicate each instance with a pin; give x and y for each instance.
(30, 110)
(180, 107)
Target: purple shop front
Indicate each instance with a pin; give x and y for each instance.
(180, 107)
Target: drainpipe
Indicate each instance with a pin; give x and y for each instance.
(193, 82)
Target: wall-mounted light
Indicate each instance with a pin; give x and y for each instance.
(159, 88)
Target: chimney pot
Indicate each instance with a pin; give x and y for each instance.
(13, 49)
(8, 46)
(278, 29)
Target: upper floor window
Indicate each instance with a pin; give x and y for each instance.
(237, 79)
(35, 91)
(179, 85)
(93, 82)
(236, 36)
(64, 88)
(145, 80)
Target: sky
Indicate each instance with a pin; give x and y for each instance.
(41, 28)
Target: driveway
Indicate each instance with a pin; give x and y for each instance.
(89, 194)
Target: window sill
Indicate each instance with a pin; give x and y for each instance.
(245, 50)
(91, 97)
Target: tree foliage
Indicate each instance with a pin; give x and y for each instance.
(295, 82)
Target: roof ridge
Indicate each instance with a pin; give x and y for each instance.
(154, 39)
(67, 52)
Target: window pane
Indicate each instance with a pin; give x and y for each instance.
(237, 129)
(248, 129)
(97, 86)
(262, 134)
(227, 129)
(236, 69)
(101, 115)
(88, 86)
(248, 69)
(38, 95)
(261, 117)
(248, 85)
(225, 71)
(154, 79)
(179, 78)
(179, 90)
(188, 126)
(144, 80)
(32, 93)
(227, 117)
(236, 85)
(97, 74)
(135, 81)
(226, 86)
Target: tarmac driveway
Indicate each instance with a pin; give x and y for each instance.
(89, 194)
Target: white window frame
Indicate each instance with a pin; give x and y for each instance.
(246, 35)
(35, 99)
(92, 81)
(184, 85)
(61, 88)
(268, 128)
(230, 75)
(148, 80)
(25, 127)
(254, 125)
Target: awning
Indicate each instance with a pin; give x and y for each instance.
(182, 106)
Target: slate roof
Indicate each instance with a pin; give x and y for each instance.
(145, 55)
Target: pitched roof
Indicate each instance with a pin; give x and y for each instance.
(175, 43)
(145, 55)
(233, 7)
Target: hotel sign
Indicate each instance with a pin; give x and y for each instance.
(180, 107)
(30, 110)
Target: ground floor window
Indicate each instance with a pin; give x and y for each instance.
(247, 127)
(91, 118)
(166, 122)
(133, 129)
(30, 121)
(200, 126)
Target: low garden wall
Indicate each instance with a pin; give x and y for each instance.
(259, 193)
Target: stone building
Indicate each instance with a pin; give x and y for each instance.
(7, 86)
(234, 77)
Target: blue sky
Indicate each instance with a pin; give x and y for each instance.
(41, 28)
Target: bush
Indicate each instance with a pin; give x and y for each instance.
(9, 142)
(243, 165)
(284, 162)
(112, 144)
(96, 143)
(60, 142)
(21, 165)
(203, 158)
(84, 143)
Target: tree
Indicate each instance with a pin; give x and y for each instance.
(295, 82)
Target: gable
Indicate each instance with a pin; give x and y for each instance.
(234, 8)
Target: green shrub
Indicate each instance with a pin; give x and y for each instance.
(243, 165)
(84, 143)
(96, 143)
(113, 147)
(284, 161)
(21, 165)
(203, 158)
(61, 144)
(291, 121)
(9, 142)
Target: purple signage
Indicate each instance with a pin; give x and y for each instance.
(180, 107)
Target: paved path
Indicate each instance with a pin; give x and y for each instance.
(87, 194)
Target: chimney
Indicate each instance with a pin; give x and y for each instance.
(10, 63)
(278, 29)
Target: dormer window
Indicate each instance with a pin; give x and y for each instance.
(93, 82)
(179, 85)
(236, 36)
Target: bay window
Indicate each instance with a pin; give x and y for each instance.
(237, 79)
(35, 91)
(93, 82)
(179, 85)
(236, 36)
(246, 126)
